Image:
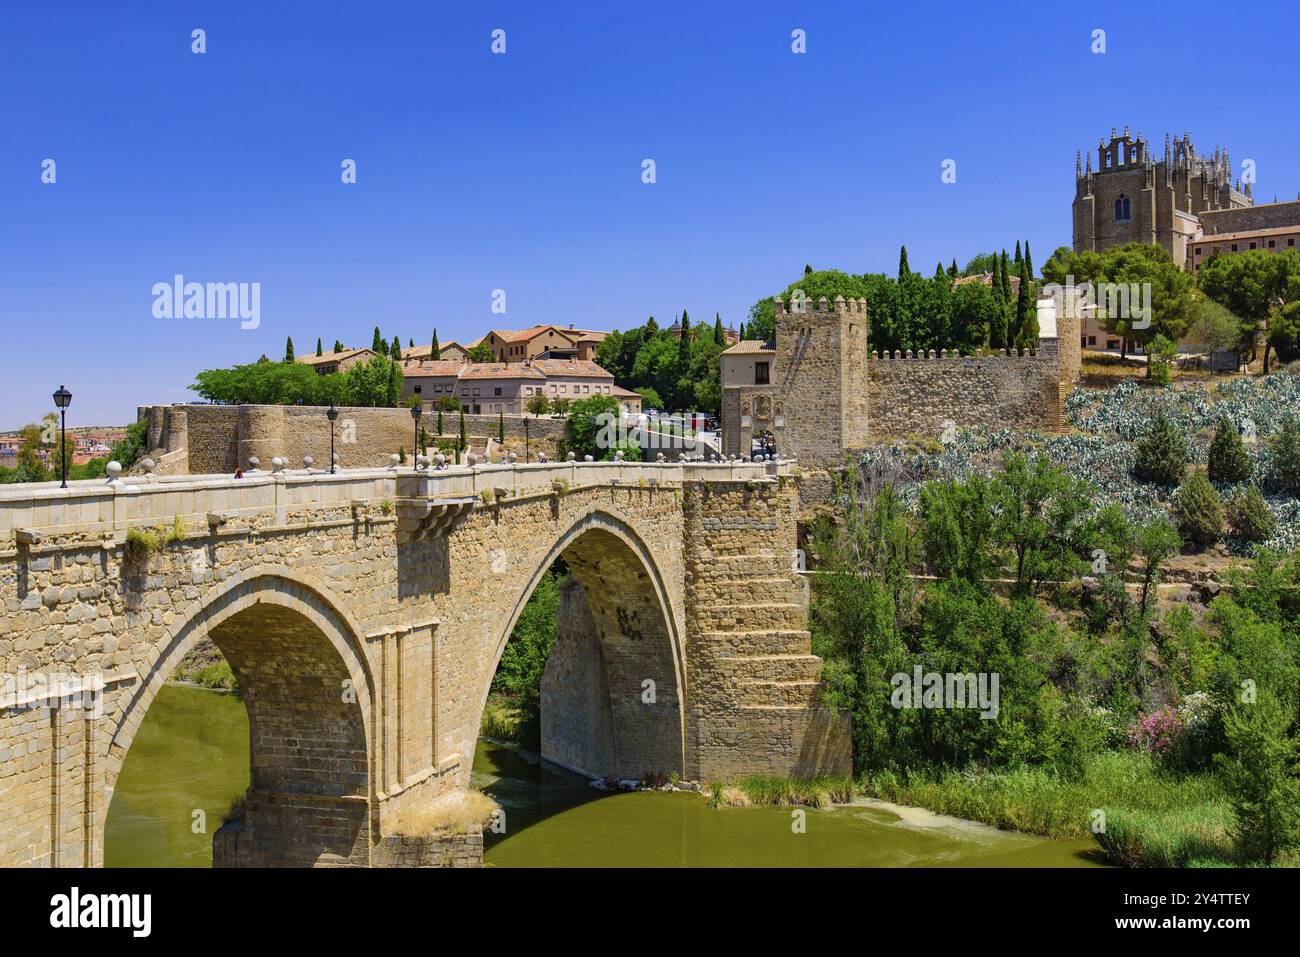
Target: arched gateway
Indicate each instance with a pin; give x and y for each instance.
(364, 614)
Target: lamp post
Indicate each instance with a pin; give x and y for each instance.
(526, 439)
(415, 445)
(331, 413)
(62, 399)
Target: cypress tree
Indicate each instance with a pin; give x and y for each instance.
(807, 270)
(1162, 452)
(396, 351)
(440, 423)
(411, 343)
(288, 349)
(377, 343)
(938, 271)
(684, 345)
(903, 269)
(434, 351)
(463, 444)
(953, 271)
(1198, 511)
(1228, 461)
(1026, 320)
(338, 346)
(718, 335)
(998, 321)
(1018, 259)
(1029, 263)
(742, 332)
(501, 427)
(319, 352)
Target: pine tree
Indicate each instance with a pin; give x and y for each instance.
(807, 270)
(903, 269)
(1284, 457)
(1249, 516)
(288, 349)
(377, 344)
(953, 270)
(718, 335)
(1228, 461)
(338, 346)
(396, 351)
(1018, 259)
(938, 271)
(319, 351)
(1198, 511)
(434, 351)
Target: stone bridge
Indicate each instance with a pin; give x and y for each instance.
(364, 614)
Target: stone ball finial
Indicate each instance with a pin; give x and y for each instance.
(587, 458)
(254, 462)
(148, 464)
(335, 458)
(308, 461)
(440, 460)
(618, 455)
(277, 464)
(394, 460)
(471, 459)
(659, 457)
(541, 456)
(114, 470)
(514, 457)
(573, 456)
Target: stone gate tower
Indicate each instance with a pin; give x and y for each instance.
(814, 403)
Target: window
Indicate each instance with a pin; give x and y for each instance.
(417, 390)
(497, 390)
(1234, 247)
(760, 373)
(1123, 210)
(1272, 243)
(1252, 245)
(1290, 242)
(464, 391)
(476, 410)
(476, 390)
(1092, 340)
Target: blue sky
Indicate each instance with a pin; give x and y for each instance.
(523, 171)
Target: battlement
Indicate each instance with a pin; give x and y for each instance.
(797, 307)
(900, 355)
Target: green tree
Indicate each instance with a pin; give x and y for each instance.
(1252, 285)
(377, 344)
(586, 428)
(501, 427)
(462, 442)
(435, 351)
(684, 341)
(1161, 354)
(1141, 266)
(1284, 457)
(718, 336)
(319, 350)
(1249, 516)
(1029, 261)
(1228, 461)
(537, 405)
(903, 268)
(1162, 453)
(650, 399)
(338, 346)
(1026, 313)
(1198, 511)
(1156, 541)
(481, 353)
(1259, 772)
(1215, 327)
(288, 349)
(395, 351)
(1284, 332)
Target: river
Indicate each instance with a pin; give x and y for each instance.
(191, 754)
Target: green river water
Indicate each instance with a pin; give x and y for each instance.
(191, 753)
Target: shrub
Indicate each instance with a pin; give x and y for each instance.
(1228, 461)
(1285, 458)
(1160, 359)
(1162, 453)
(1249, 516)
(1198, 511)
(1259, 774)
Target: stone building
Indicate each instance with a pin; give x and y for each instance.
(816, 390)
(1172, 201)
(492, 388)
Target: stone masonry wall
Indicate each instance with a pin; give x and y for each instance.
(577, 723)
(221, 438)
(914, 397)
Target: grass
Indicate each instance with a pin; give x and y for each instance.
(768, 790)
(217, 676)
(456, 812)
(1146, 816)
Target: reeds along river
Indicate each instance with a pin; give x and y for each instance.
(191, 754)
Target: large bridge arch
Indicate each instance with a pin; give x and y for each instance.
(635, 630)
(310, 697)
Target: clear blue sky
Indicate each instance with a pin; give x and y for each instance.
(523, 171)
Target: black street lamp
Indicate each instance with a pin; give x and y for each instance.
(331, 413)
(415, 445)
(526, 438)
(62, 399)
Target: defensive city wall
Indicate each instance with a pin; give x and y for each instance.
(216, 439)
(828, 393)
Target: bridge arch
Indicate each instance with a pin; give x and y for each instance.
(628, 611)
(310, 696)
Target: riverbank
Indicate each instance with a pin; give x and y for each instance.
(1138, 814)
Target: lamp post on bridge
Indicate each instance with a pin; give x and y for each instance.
(526, 439)
(331, 413)
(62, 399)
